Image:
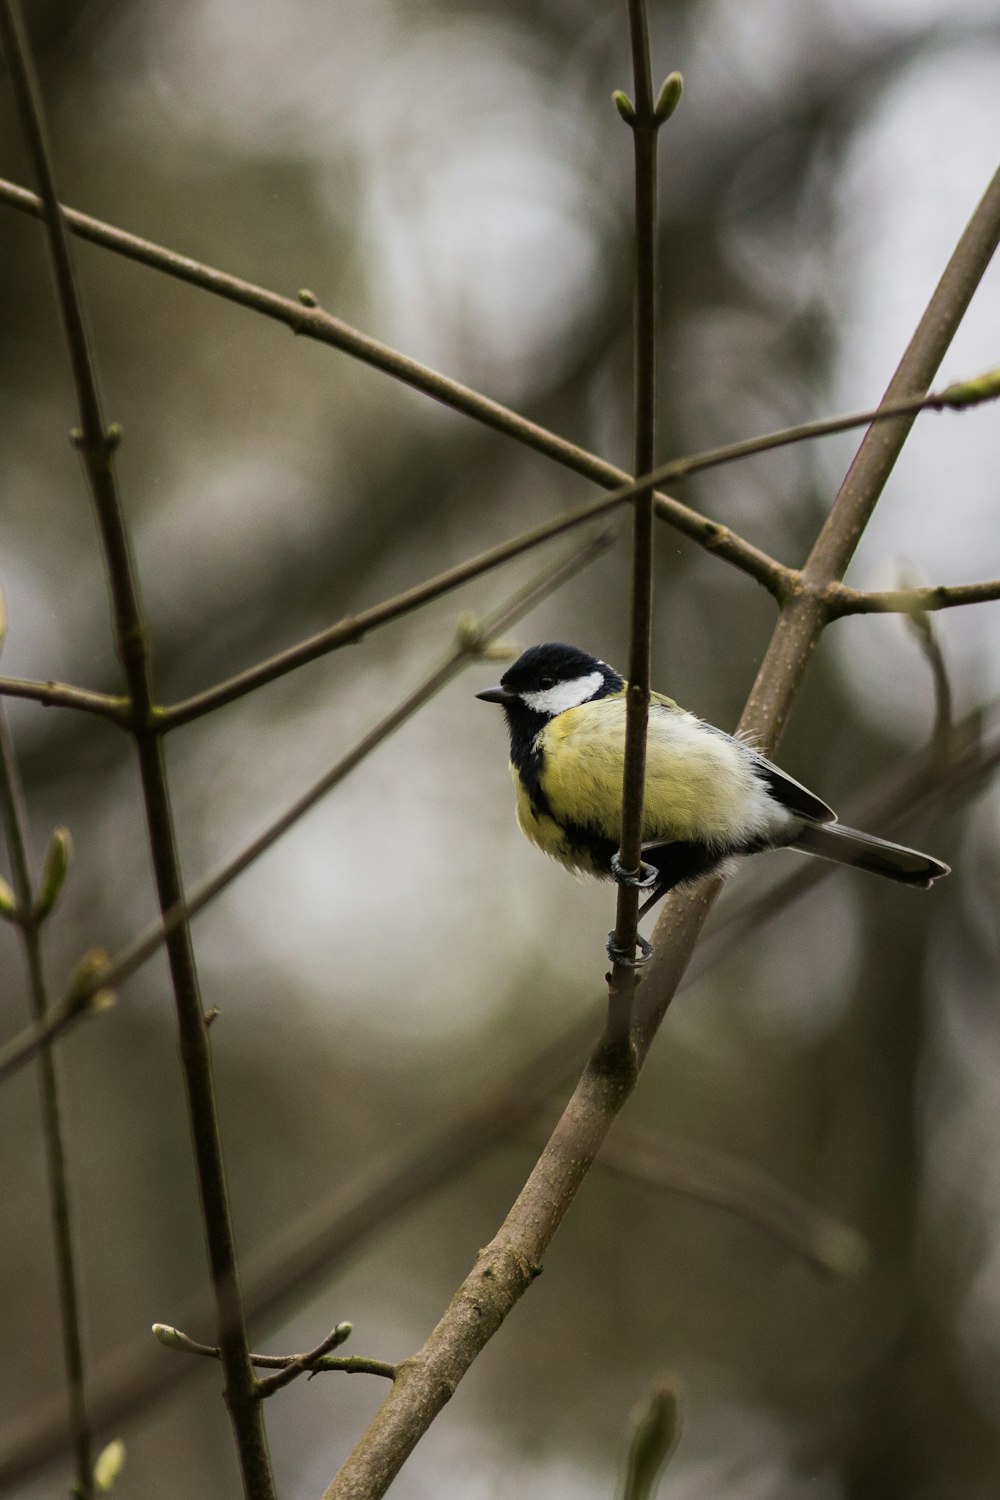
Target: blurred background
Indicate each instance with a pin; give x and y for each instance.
(453, 179)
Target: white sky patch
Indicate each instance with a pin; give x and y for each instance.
(570, 694)
(905, 196)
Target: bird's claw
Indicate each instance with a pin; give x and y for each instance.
(625, 960)
(643, 879)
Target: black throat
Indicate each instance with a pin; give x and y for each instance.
(524, 726)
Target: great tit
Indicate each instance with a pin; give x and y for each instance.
(708, 796)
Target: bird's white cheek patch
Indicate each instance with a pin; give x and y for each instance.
(556, 700)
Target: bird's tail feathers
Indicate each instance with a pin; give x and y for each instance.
(847, 846)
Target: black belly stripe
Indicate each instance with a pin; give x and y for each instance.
(528, 760)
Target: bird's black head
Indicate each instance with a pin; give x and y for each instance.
(546, 681)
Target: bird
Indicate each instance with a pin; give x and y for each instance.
(709, 796)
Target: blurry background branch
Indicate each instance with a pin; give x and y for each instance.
(736, 1186)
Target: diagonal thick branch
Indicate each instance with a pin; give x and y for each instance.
(506, 1267)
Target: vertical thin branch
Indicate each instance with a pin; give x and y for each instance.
(644, 124)
(29, 922)
(97, 444)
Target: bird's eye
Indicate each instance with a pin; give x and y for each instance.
(546, 681)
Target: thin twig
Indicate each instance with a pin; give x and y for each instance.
(841, 600)
(469, 649)
(924, 631)
(738, 1187)
(60, 695)
(289, 1366)
(784, 583)
(57, 1019)
(314, 323)
(97, 444)
(301, 1364)
(354, 627)
(506, 1267)
(29, 922)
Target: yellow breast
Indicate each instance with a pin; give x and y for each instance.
(545, 833)
(693, 777)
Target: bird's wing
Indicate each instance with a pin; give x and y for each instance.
(791, 793)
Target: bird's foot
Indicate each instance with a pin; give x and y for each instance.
(618, 955)
(644, 878)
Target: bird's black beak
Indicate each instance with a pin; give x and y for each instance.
(497, 695)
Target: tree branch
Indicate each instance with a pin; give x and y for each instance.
(59, 695)
(644, 123)
(783, 582)
(29, 921)
(842, 601)
(736, 1186)
(504, 1270)
(97, 444)
(471, 644)
(312, 322)
(288, 1366)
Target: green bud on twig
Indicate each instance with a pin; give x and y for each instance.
(668, 98)
(469, 632)
(307, 298)
(656, 1427)
(171, 1337)
(8, 902)
(110, 1462)
(968, 392)
(57, 858)
(79, 990)
(624, 106)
